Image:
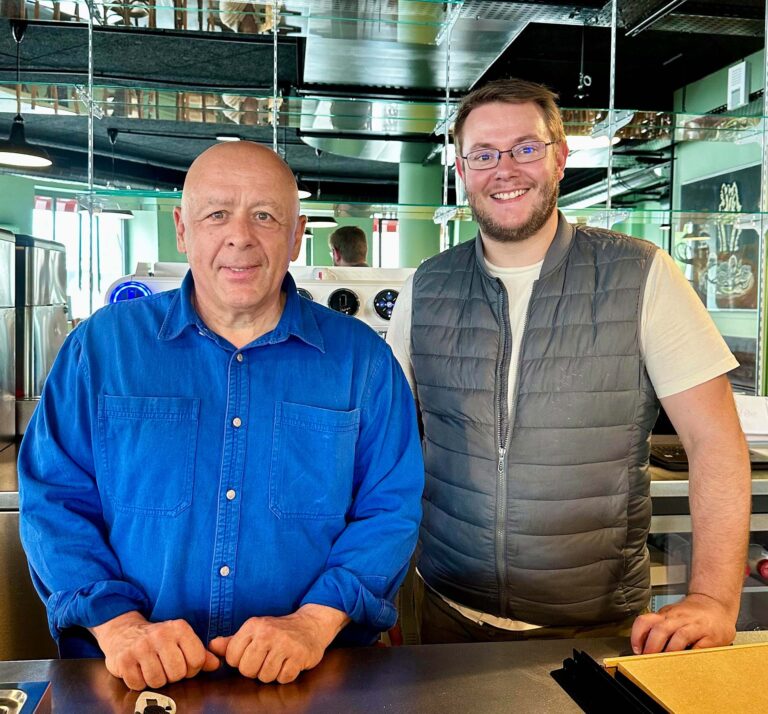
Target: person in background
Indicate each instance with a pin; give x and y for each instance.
(538, 354)
(223, 471)
(349, 247)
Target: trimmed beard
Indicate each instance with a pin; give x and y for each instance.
(510, 234)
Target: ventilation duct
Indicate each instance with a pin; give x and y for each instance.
(624, 182)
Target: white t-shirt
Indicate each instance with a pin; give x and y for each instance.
(678, 341)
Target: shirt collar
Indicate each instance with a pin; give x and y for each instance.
(298, 318)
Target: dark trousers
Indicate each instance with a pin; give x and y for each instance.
(440, 624)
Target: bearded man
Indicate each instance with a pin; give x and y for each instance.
(538, 354)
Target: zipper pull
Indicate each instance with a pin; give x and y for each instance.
(502, 456)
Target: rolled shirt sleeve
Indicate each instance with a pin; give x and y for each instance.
(62, 528)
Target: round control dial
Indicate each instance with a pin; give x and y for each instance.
(305, 293)
(344, 300)
(384, 302)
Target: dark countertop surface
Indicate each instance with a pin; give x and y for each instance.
(426, 679)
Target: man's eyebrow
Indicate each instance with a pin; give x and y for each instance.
(514, 142)
(229, 201)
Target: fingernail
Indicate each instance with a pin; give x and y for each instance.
(636, 649)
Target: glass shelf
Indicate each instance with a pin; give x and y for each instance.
(338, 115)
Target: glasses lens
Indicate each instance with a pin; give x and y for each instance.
(483, 158)
(530, 151)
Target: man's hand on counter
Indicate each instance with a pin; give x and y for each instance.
(696, 621)
(280, 648)
(152, 654)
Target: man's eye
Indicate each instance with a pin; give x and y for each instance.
(526, 149)
(217, 215)
(483, 156)
(262, 216)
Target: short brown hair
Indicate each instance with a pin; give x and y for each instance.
(512, 91)
(351, 243)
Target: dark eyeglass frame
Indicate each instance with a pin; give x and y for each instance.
(499, 153)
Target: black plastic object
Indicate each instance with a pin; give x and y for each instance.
(344, 300)
(384, 302)
(597, 692)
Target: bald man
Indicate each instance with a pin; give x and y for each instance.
(227, 471)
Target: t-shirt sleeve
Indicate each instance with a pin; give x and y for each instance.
(399, 332)
(681, 345)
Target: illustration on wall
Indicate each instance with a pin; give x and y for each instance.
(722, 246)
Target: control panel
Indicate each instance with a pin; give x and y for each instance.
(368, 294)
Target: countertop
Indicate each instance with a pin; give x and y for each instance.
(439, 679)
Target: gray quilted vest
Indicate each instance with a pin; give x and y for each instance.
(538, 512)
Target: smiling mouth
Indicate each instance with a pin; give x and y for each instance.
(507, 195)
(240, 269)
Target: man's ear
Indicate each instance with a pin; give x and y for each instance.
(459, 165)
(561, 154)
(298, 237)
(181, 245)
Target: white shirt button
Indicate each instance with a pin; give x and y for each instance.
(231, 494)
(237, 422)
(224, 571)
(239, 357)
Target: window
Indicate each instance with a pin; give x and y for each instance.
(94, 259)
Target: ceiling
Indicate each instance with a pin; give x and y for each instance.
(362, 84)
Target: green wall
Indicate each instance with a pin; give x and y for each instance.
(166, 239)
(17, 200)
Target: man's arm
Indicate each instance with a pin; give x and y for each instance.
(74, 569)
(720, 498)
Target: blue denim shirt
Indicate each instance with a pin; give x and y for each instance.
(167, 472)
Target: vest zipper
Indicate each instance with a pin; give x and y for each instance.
(520, 355)
(502, 377)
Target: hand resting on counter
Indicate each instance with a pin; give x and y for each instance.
(280, 648)
(152, 654)
(696, 621)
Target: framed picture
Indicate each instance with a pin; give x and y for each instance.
(721, 245)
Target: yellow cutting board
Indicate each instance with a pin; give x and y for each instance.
(717, 680)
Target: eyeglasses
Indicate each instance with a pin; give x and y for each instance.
(525, 153)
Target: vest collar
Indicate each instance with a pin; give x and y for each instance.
(555, 255)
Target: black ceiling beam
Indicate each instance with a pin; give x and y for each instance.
(199, 35)
(363, 136)
(344, 91)
(81, 76)
(664, 9)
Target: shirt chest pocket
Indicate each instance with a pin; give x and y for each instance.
(313, 461)
(147, 447)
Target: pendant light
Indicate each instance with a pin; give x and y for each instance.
(15, 150)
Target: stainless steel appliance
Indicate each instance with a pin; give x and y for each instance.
(41, 318)
(7, 341)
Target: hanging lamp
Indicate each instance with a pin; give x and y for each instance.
(16, 150)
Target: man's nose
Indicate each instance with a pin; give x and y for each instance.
(507, 165)
(241, 231)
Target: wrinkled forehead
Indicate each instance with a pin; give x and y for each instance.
(252, 179)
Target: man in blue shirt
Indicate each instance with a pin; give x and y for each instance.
(226, 470)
